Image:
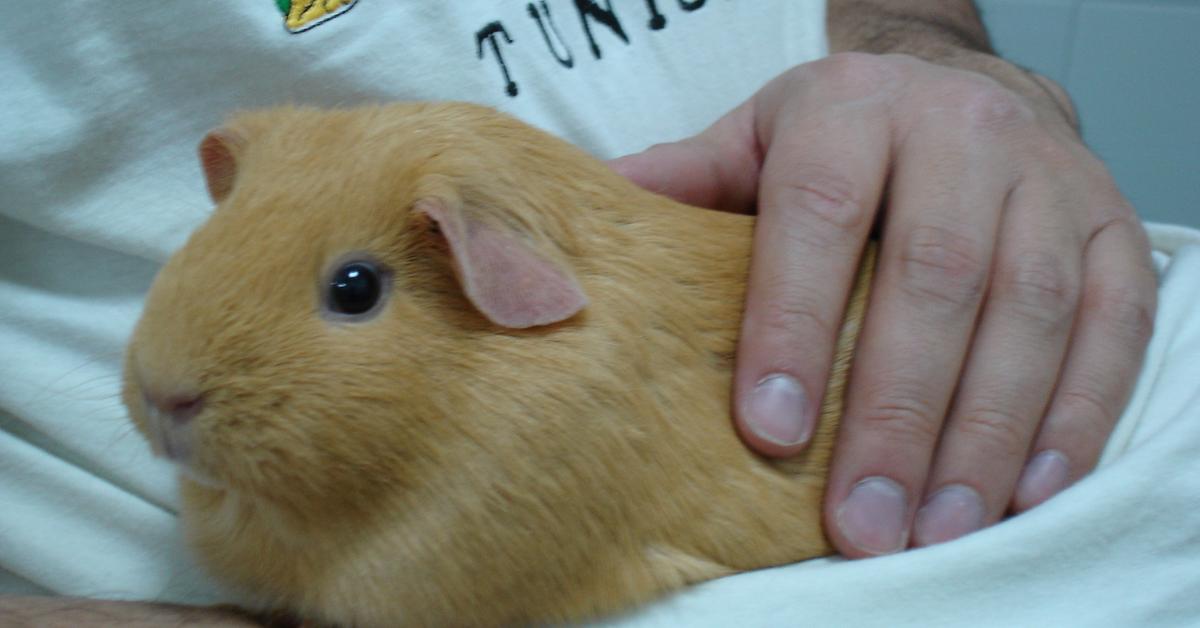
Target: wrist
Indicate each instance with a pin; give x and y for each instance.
(1047, 97)
(944, 32)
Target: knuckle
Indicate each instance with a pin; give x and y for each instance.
(1115, 206)
(1115, 217)
(1087, 408)
(824, 194)
(985, 105)
(998, 430)
(854, 75)
(1118, 209)
(787, 312)
(943, 265)
(1055, 157)
(1127, 309)
(903, 421)
(1039, 287)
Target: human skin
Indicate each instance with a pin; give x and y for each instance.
(67, 612)
(1015, 295)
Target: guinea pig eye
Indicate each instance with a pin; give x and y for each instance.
(355, 288)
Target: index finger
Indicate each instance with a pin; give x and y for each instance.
(819, 190)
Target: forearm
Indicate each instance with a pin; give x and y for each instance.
(946, 32)
(930, 29)
(51, 612)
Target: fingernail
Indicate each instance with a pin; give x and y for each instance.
(952, 512)
(776, 411)
(872, 517)
(1043, 477)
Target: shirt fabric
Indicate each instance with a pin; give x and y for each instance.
(103, 107)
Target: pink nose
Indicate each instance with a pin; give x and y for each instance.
(181, 408)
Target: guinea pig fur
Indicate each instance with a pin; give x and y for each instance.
(532, 422)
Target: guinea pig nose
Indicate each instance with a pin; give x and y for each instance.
(181, 408)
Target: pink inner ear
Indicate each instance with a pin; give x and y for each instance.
(506, 280)
(218, 162)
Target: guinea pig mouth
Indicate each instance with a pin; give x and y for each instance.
(178, 446)
(176, 443)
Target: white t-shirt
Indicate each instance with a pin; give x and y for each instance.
(102, 109)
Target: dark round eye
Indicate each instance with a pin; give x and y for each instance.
(355, 288)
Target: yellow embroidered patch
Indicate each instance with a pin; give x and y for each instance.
(301, 15)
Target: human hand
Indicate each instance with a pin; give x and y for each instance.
(1012, 303)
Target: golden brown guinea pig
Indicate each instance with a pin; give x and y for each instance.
(427, 365)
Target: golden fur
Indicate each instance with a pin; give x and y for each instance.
(428, 467)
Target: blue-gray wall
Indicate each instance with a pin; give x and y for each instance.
(1133, 67)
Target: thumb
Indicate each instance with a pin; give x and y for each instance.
(717, 168)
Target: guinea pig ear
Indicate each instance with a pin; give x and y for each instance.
(505, 279)
(218, 158)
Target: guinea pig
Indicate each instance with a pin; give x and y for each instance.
(428, 365)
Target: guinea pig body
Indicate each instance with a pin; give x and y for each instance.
(530, 425)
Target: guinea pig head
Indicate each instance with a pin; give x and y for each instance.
(311, 342)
